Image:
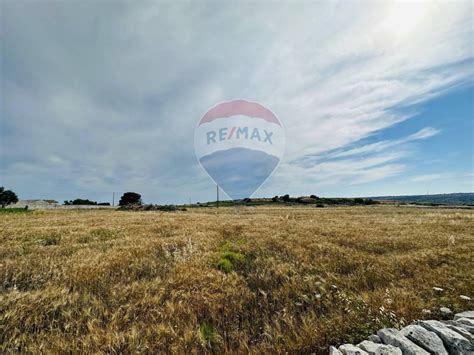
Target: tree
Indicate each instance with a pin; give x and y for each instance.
(130, 198)
(80, 201)
(7, 197)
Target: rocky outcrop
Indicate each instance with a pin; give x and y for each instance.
(449, 337)
(458, 326)
(425, 339)
(467, 314)
(393, 337)
(454, 342)
(379, 349)
(350, 349)
(374, 339)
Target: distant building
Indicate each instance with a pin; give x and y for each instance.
(34, 204)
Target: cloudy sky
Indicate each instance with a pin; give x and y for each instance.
(104, 96)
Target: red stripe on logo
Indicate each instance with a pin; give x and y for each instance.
(239, 107)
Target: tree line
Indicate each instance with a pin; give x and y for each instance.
(8, 197)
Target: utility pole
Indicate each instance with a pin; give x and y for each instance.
(217, 189)
(113, 199)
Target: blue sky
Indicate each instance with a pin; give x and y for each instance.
(438, 164)
(97, 97)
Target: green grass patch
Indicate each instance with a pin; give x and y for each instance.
(13, 210)
(230, 261)
(230, 257)
(207, 334)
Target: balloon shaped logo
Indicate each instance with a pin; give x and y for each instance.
(239, 144)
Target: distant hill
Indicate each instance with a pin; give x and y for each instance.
(438, 199)
(454, 199)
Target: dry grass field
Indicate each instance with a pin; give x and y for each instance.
(247, 280)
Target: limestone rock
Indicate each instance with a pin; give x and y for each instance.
(379, 349)
(467, 314)
(445, 311)
(375, 339)
(454, 342)
(459, 325)
(466, 321)
(446, 337)
(459, 329)
(349, 349)
(424, 338)
(393, 337)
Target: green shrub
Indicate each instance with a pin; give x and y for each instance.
(230, 258)
(80, 202)
(233, 257)
(207, 333)
(230, 261)
(225, 265)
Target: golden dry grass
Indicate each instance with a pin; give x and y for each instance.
(295, 279)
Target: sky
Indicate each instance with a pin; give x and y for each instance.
(99, 97)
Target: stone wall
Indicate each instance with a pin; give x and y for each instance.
(34, 204)
(49, 204)
(451, 337)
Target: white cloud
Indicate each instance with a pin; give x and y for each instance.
(373, 148)
(424, 133)
(433, 177)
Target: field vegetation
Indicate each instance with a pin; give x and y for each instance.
(242, 280)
